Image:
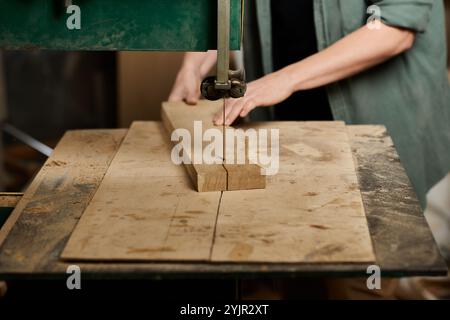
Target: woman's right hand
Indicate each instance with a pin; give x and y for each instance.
(196, 66)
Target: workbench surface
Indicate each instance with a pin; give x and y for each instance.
(34, 236)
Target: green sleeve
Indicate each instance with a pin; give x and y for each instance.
(408, 14)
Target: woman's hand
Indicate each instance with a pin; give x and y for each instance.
(187, 86)
(267, 91)
(196, 66)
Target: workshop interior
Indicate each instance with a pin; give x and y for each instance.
(94, 107)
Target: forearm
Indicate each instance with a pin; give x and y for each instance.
(353, 54)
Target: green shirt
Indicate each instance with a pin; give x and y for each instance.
(409, 94)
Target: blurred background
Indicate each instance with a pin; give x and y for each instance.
(46, 93)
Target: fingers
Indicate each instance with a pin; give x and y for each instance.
(192, 92)
(234, 112)
(174, 96)
(234, 109)
(192, 98)
(188, 95)
(186, 87)
(241, 109)
(219, 117)
(247, 108)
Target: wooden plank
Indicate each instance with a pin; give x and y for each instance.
(246, 176)
(10, 199)
(145, 208)
(395, 243)
(180, 116)
(57, 198)
(211, 177)
(311, 212)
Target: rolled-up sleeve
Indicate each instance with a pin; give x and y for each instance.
(408, 14)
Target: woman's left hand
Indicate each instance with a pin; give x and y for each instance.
(267, 91)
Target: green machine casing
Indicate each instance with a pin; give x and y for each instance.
(153, 25)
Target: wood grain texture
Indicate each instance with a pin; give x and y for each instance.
(406, 248)
(10, 199)
(205, 178)
(216, 177)
(57, 198)
(310, 212)
(402, 239)
(145, 208)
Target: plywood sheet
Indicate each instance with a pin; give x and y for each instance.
(311, 211)
(145, 208)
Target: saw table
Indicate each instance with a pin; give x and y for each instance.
(34, 237)
(36, 233)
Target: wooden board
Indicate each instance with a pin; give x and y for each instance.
(42, 220)
(10, 199)
(145, 208)
(402, 240)
(217, 177)
(180, 116)
(310, 212)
